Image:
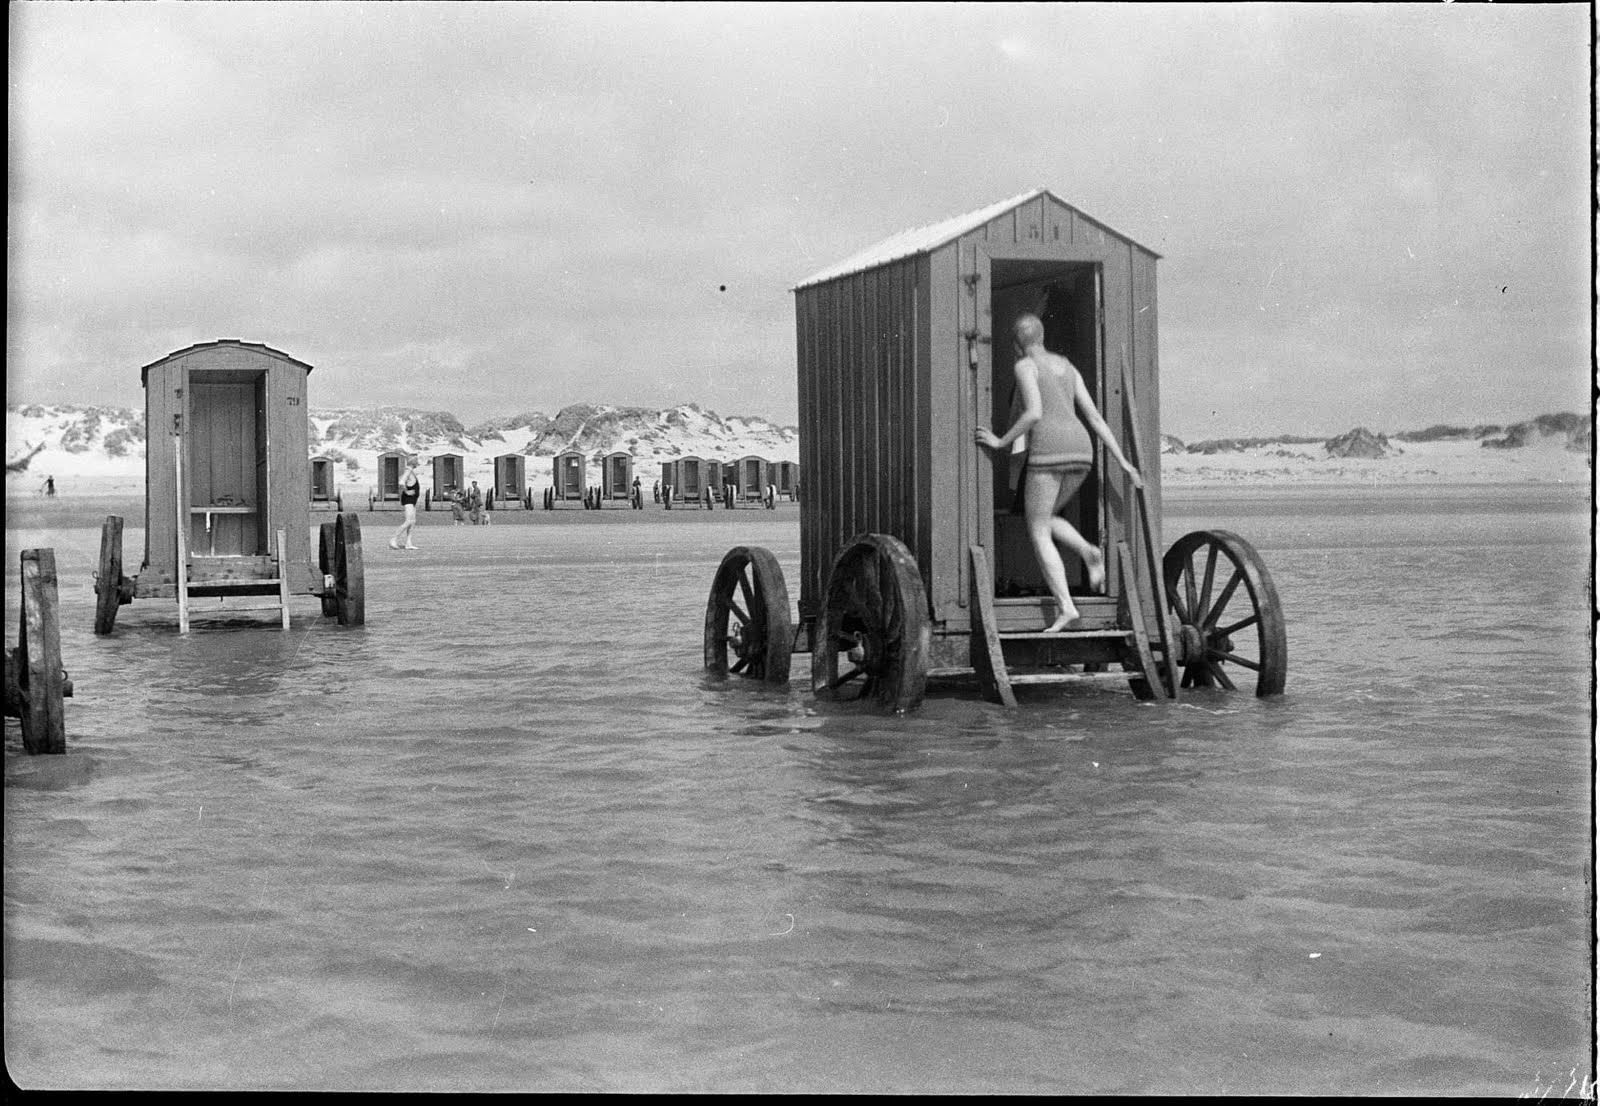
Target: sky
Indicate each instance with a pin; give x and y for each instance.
(1368, 214)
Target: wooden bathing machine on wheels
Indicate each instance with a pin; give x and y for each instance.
(786, 475)
(510, 491)
(449, 477)
(324, 492)
(226, 512)
(568, 480)
(616, 479)
(913, 565)
(690, 479)
(391, 470)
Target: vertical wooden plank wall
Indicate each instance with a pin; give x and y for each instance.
(164, 387)
(948, 380)
(1147, 382)
(288, 441)
(860, 426)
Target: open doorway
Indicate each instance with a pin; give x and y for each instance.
(1065, 295)
(226, 466)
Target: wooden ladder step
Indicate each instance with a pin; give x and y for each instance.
(1062, 635)
(1070, 677)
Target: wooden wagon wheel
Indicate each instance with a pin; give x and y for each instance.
(874, 637)
(327, 562)
(1217, 612)
(754, 643)
(349, 579)
(108, 582)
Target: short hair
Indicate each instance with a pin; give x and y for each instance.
(1028, 329)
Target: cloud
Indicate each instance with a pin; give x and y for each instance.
(544, 202)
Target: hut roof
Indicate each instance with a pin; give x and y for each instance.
(909, 243)
(144, 373)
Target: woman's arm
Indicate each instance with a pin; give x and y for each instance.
(1091, 415)
(1032, 409)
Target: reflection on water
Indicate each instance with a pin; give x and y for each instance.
(509, 836)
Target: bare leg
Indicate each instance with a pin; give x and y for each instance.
(1067, 534)
(1039, 504)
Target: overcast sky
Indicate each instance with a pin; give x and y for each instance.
(1369, 214)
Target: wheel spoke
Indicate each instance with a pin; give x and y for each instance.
(1228, 631)
(1216, 671)
(740, 666)
(745, 590)
(1235, 658)
(734, 607)
(1211, 575)
(1188, 589)
(1215, 612)
(839, 681)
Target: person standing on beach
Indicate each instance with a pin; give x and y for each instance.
(1060, 453)
(410, 492)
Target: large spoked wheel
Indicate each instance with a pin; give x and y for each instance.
(873, 639)
(1227, 611)
(108, 584)
(748, 629)
(327, 562)
(349, 579)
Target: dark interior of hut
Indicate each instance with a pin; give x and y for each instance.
(1065, 297)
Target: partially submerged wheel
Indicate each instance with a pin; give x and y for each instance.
(108, 583)
(1225, 620)
(349, 579)
(873, 636)
(754, 641)
(327, 561)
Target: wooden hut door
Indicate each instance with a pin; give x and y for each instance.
(1066, 298)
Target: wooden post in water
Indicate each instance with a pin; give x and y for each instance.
(35, 683)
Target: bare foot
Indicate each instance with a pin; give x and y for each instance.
(1097, 572)
(1067, 621)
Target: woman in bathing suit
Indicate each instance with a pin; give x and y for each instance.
(410, 492)
(1059, 455)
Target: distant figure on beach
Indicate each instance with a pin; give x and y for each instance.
(49, 488)
(1060, 452)
(410, 492)
(475, 504)
(457, 511)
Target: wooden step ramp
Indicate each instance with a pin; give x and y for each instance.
(989, 664)
(240, 583)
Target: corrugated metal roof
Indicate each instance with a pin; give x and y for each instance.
(918, 240)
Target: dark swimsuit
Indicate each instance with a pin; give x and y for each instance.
(410, 493)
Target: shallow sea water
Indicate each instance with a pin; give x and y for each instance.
(507, 836)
